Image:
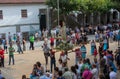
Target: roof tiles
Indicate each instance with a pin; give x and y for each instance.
(21, 1)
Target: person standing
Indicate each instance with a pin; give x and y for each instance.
(60, 75)
(68, 74)
(24, 44)
(92, 47)
(77, 55)
(83, 51)
(9, 38)
(11, 54)
(32, 42)
(64, 57)
(87, 73)
(94, 72)
(100, 50)
(5, 45)
(112, 74)
(52, 42)
(95, 52)
(2, 56)
(46, 50)
(52, 59)
(14, 38)
(105, 44)
(19, 46)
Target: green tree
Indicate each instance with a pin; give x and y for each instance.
(116, 4)
(65, 6)
(94, 5)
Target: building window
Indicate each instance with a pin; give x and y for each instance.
(1, 14)
(24, 13)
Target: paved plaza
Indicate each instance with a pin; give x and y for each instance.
(24, 62)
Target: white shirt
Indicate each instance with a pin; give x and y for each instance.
(73, 35)
(79, 67)
(113, 75)
(105, 59)
(105, 27)
(95, 73)
(60, 66)
(64, 58)
(19, 34)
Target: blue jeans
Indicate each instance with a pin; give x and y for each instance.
(52, 62)
(11, 57)
(19, 49)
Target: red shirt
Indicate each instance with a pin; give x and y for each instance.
(52, 40)
(52, 56)
(95, 52)
(62, 53)
(2, 53)
(52, 52)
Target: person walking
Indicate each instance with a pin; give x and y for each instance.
(2, 56)
(11, 54)
(32, 39)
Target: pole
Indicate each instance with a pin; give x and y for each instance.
(58, 11)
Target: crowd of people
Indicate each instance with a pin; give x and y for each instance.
(102, 65)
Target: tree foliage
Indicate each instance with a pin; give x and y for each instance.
(84, 5)
(116, 4)
(65, 6)
(64, 46)
(94, 5)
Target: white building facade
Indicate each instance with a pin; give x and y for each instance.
(21, 18)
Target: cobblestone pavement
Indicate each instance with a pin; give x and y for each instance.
(24, 62)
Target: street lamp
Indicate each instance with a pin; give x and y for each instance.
(58, 11)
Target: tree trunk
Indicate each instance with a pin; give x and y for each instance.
(99, 18)
(106, 18)
(84, 23)
(91, 19)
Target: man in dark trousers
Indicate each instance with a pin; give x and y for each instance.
(32, 39)
(52, 59)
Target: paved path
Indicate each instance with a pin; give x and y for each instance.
(24, 62)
